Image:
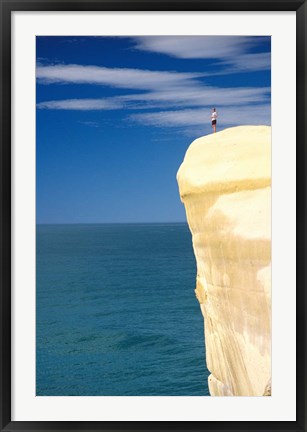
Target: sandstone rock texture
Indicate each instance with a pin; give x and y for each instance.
(225, 185)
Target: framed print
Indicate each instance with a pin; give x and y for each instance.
(153, 215)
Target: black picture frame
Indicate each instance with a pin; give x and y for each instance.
(7, 6)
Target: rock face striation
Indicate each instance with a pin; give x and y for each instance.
(225, 185)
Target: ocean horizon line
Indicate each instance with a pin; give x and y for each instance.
(113, 223)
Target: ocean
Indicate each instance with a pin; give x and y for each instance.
(116, 313)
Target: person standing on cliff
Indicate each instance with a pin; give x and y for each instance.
(213, 119)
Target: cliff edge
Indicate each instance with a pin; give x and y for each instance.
(225, 185)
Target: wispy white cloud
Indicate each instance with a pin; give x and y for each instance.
(189, 47)
(231, 52)
(82, 104)
(235, 115)
(92, 124)
(176, 97)
(248, 62)
(197, 96)
(114, 77)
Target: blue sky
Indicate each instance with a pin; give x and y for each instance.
(115, 116)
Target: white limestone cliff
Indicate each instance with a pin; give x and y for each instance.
(225, 185)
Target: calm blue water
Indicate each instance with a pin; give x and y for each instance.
(116, 311)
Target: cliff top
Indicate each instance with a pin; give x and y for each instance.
(237, 158)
